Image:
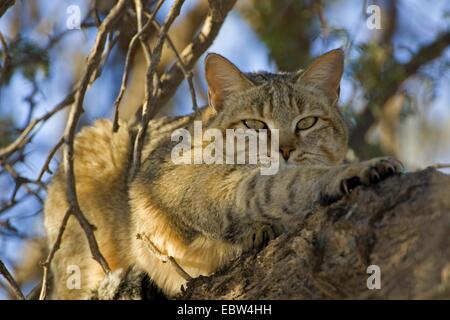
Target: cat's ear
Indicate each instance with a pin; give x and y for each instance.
(325, 73)
(223, 79)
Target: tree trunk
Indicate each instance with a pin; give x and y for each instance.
(401, 225)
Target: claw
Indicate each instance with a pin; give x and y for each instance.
(391, 169)
(265, 238)
(374, 175)
(345, 188)
(261, 237)
(387, 168)
(401, 168)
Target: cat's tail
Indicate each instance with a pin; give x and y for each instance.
(101, 154)
(101, 161)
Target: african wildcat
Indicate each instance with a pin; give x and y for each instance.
(204, 215)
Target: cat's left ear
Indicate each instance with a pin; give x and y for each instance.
(223, 78)
(325, 73)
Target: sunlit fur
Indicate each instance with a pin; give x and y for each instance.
(281, 100)
(201, 215)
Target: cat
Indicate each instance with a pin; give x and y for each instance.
(205, 215)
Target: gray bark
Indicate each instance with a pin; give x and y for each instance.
(401, 225)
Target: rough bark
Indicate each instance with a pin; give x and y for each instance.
(401, 225)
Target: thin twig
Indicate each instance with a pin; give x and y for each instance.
(20, 181)
(150, 96)
(5, 5)
(6, 206)
(187, 74)
(6, 58)
(93, 63)
(127, 65)
(11, 282)
(172, 78)
(144, 44)
(46, 167)
(55, 39)
(164, 258)
(98, 71)
(24, 137)
(55, 247)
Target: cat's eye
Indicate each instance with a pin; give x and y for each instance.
(306, 123)
(255, 124)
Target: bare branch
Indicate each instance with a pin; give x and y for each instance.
(127, 65)
(187, 74)
(25, 137)
(55, 247)
(427, 53)
(11, 204)
(22, 181)
(55, 39)
(144, 44)
(5, 5)
(155, 90)
(11, 282)
(45, 167)
(164, 258)
(150, 96)
(171, 79)
(93, 64)
(6, 58)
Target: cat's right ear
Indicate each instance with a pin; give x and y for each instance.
(223, 78)
(325, 73)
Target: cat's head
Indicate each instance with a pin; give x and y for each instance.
(301, 105)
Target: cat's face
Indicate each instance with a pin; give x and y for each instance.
(300, 105)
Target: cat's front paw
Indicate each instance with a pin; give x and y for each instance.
(259, 237)
(363, 173)
(370, 172)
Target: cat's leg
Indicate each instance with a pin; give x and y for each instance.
(203, 216)
(286, 197)
(338, 183)
(230, 202)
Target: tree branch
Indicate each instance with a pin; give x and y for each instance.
(164, 258)
(424, 56)
(55, 247)
(25, 135)
(171, 79)
(400, 225)
(139, 36)
(11, 282)
(5, 5)
(150, 96)
(6, 58)
(427, 53)
(187, 74)
(93, 64)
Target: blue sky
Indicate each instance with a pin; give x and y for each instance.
(236, 41)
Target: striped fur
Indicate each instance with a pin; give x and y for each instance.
(203, 215)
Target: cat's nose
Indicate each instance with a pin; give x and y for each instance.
(286, 152)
